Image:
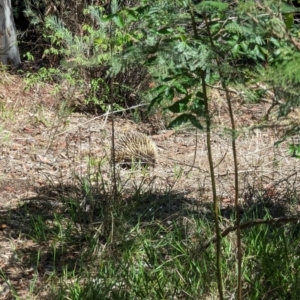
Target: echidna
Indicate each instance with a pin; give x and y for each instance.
(135, 147)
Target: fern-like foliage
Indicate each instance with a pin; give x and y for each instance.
(33, 12)
(211, 6)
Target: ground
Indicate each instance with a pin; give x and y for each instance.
(45, 148)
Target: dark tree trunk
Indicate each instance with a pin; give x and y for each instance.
(9, 51)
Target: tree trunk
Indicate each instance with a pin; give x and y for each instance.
(9, 51)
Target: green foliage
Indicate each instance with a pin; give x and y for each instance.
(28, 56)
(99, 41)
(273, 247)
(211, 6)
(177, 56)
(252, 44)
(65, 43)
(38, 229)
(43, 75)
(163, 260)
(33, 11)
(294, 150)
(89, 59)
(171, 38)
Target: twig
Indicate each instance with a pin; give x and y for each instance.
(253, 223)
(102, 116)
(195, 153)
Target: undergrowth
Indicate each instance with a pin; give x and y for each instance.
(88, 240)
(154, 248)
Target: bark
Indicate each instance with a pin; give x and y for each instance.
(9, 51)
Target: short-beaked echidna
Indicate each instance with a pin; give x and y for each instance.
(135, 147)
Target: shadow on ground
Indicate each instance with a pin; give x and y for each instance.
(61, 226)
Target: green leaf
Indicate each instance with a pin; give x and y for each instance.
(198, 107)
(264, 51)
(165, 30)
(99, 41)
(159, 89)
(183, 37)
(195, 122)
(236, 49)
(156, 100)
(182, 119)
(142, 9)
(169, 78)
(180, 105)
(132, 15)
(275, 42)
(118, 21)
(105, 19)
(170, 92)
(289, 21)
(180, 88)
(294, 150)
(244, 46)
(257, 51)
(259, 40)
